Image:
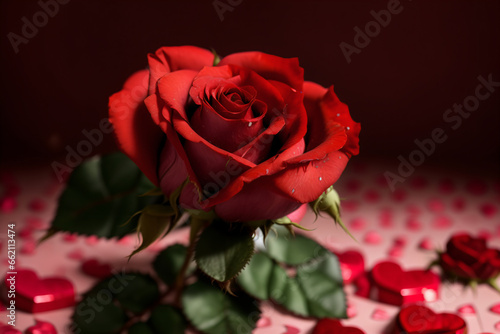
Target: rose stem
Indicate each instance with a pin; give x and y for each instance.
(196, 226)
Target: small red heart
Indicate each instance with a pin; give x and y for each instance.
(291, 330)
(8, 329)
(495, 308)
(41, 327)
(420, 319)
(39, 295)
(393, 285)
(333, 326)
(263, 322)
(380, 314)
(467, 310)
(94, 268)
(352, 265)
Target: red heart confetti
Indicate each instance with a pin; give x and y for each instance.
(41, 327)
(91, 240)
(435, 205)
(70, 237)
(399, 195)
(39, 295)
(466, 310)
(458, 204)
(395, 286)
(357, 224)
(263, 322)
(8, 329)
(28, 247)
(94, 268)
(76, 254)
(495, 308)
(37, 205)
(352, 265)
(395, 251)
(352, 311)
(488, 209)
(373, 238)
(333, 326)
(8, 204)
(442, 222)
(426, 244)
(400, 241)
(380, 314)
(413, 224)
(414, 319)
(35, 223)
(291, 330)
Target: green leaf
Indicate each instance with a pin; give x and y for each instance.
(166, 319)
(168, 263)
(212, 311)
(222, 254)
(101, 195)
(316, 290)
(322, 285)
(140, 328)
(292, 250)
(256, 277)
(94, 317)
(104, 308)
(141, 291)
(153, 222)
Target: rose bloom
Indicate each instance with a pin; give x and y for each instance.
(250, 137)
(468, 257)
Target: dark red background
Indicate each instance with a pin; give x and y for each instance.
(398, 87)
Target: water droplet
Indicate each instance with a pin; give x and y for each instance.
(348, 128)
(338, 115)
(320, 178)
(250, 124)
(267, 171)
(340, 157)
(293, 190)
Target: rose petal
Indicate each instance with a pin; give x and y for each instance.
(137, 134)
(174, 58)
(269, 66)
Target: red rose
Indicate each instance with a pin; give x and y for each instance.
(254, 140)
(469, 258)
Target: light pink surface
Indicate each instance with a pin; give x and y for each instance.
(402, 226)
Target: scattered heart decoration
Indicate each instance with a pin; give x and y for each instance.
(414, 319)
(94, 268)
(41, 327)
(352, 264)
(8, 329)
(333, 326)
(40, 295)
(393, 285)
